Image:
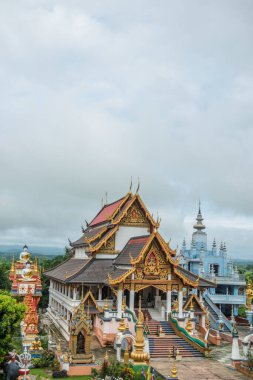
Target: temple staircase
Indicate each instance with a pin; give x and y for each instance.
(163, 346)
(215, 314)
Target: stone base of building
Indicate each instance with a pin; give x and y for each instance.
(82, 359)
(81, 369)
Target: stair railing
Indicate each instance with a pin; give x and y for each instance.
(197, 343)
(218, 312)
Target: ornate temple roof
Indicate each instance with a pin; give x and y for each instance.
(193, 277)
(67, 269)
(107, 212)
(133, 248)
(95, 272)
(78, 271)
(107, 221)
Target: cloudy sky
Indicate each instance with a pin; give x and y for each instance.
(94, 92)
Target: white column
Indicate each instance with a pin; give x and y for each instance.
(99, 293)
(119, 303)
(168, 302)
(131, 301)
(74, 294)
(180, 304)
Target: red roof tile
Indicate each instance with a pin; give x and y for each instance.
(106, 212)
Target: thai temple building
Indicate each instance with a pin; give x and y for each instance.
(214, 264)
(120, 261)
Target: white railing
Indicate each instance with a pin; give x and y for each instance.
(228, 298)
(240, 280)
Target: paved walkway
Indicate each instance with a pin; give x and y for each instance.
(199, 369)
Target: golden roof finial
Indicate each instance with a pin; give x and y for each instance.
(138, 187)
(131, 184)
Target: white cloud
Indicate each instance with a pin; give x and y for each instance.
(93, 93)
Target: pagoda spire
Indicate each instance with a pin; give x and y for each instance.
(199, 226)
(184, 245)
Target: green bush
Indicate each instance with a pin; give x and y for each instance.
(47, 360)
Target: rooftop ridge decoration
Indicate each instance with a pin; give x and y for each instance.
(190, 300)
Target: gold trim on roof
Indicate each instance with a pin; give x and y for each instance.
(121, 204)
(196, 298)
(186, 279)
(104, 240)
(89, 294)
(93, 238)
(120, 278)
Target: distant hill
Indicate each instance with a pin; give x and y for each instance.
(243, 261)
(7, 251)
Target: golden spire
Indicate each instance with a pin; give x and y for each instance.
(191, 306)
(12, 265)
(173, 373)
(189, 326)
(123, 307)
(138, 355)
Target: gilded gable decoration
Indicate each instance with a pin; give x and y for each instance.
(134, 216)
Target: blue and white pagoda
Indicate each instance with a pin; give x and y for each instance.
(214, 264)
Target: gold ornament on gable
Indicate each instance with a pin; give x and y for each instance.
(134, 216)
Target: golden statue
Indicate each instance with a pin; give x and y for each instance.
(36, 345)
(249, 295)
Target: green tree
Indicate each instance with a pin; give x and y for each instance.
(11, 314)
(5, 266)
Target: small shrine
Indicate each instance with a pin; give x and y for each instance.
(80, 336)
(26, 282)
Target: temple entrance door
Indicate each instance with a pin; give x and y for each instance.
(80, 343)
(150, 298)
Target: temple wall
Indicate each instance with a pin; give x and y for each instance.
(80, 253)
(124, 233)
